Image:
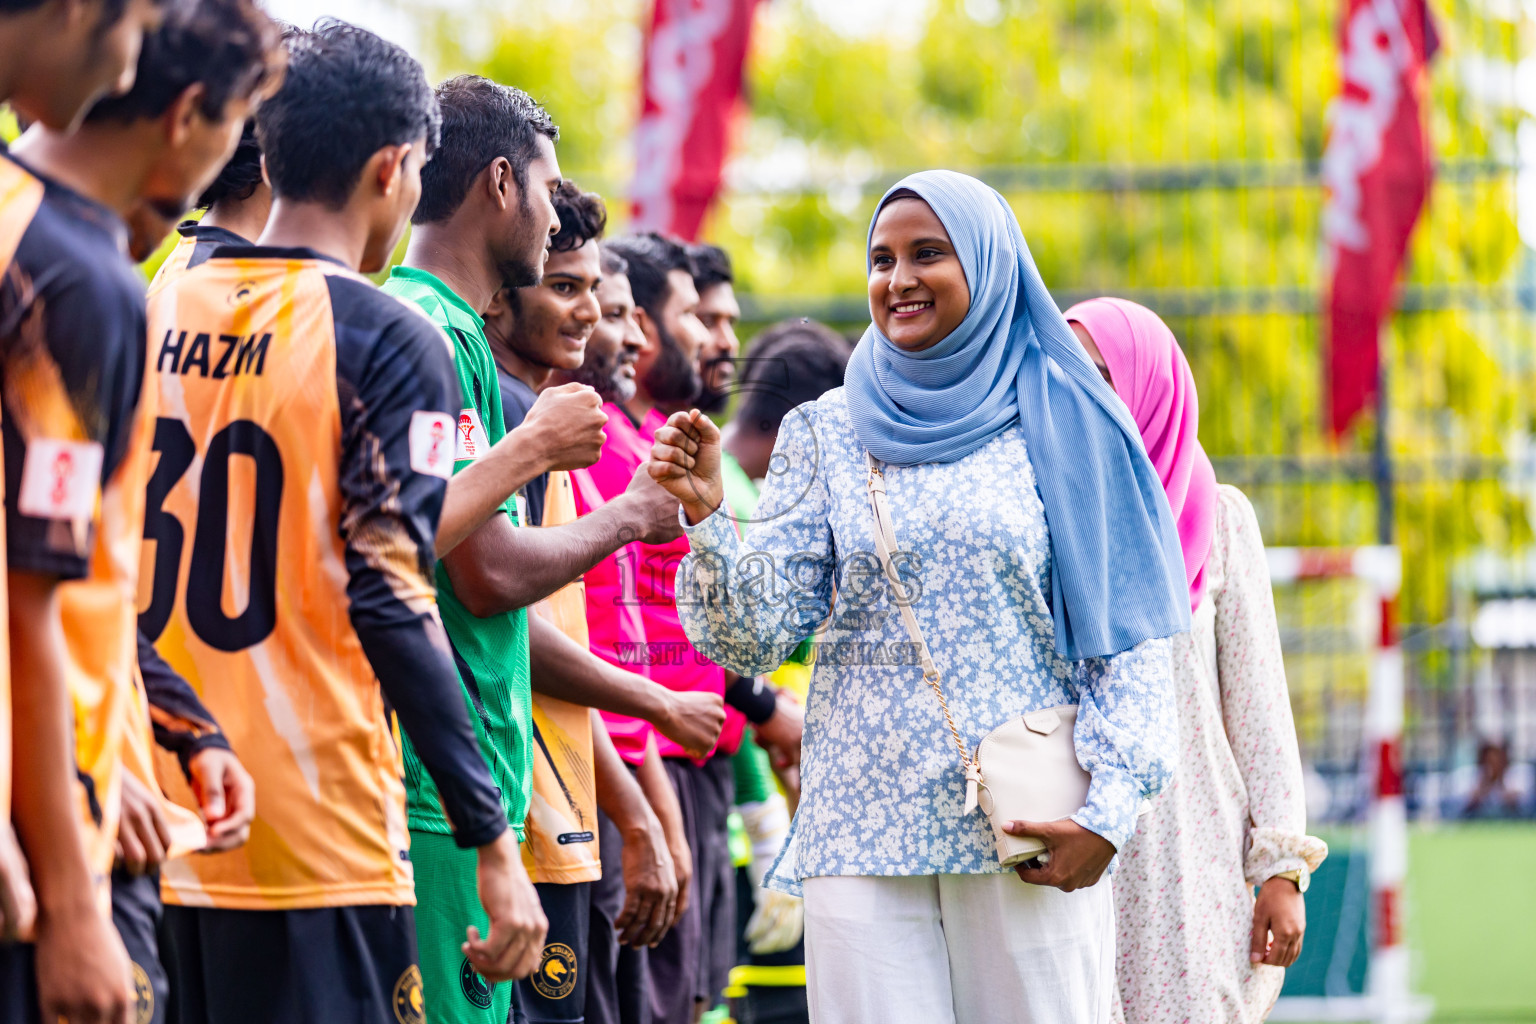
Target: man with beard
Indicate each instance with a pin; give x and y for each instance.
(485, 219)
(719, 312)
(494, 171)
(778, 721)
(667, 309)
(690, 966)
(617, 984)
(312, 919)
(534, 331)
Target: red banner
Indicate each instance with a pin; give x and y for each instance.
(1377, 172)
(691, 83)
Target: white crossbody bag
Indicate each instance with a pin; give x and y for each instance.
(1025, 769)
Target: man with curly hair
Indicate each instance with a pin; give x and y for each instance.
(485, 220)
(539, 335)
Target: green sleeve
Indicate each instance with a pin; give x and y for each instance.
(754, 774)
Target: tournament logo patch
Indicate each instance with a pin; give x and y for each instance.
(475, 988)
(556, 976)
(143, 994)
(409, 1008)
(431, 443)
(471, 442)
(60, 479)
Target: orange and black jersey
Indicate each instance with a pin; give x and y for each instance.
(72, 359)
(71, 370)
(193, 248)
(305, 435)
(20, 196)
(182, 724)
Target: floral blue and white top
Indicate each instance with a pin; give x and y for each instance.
(882, 789)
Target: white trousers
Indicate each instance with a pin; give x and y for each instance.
(957, 949)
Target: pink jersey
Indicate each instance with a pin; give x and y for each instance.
(615, 628)
(631, 611)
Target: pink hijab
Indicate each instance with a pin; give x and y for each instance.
(1152, 377)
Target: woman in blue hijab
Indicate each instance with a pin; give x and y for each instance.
(1045, 570)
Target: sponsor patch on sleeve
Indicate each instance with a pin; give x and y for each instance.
(471, 440)
(60, 479)
(432, 443)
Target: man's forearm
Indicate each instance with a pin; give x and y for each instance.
(548, 559)
(477, 491)
(522, 567)
(564, 669)
(44, 802)
(652, 776)
(618, 794)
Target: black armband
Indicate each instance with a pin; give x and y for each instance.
(753, 697)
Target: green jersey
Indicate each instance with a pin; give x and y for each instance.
(740, 491)
(491, 654)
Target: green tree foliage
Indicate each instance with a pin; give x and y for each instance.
(580, 58)
(1158, 148)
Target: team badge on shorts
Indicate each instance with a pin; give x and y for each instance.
(408, 1002)
(143, 995)
(475, 988)
(556, 976)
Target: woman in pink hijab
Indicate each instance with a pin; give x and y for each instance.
(1193, 942)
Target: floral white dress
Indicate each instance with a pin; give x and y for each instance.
(1233, 816)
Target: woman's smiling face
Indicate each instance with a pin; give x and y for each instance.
(917, 289)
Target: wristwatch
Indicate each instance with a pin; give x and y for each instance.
(1293, 877)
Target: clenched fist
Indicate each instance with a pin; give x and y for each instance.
(693, 720)
(565, 426)
(685, 459)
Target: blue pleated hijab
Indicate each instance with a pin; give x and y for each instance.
(1117, 569)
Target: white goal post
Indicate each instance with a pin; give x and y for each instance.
(1388, 998)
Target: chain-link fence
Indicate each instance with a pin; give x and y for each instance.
(1228, 249)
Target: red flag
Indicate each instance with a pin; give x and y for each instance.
(1377, 172)
(690, 84)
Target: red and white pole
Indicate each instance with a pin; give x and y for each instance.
(1389, 987)
(1388, 998)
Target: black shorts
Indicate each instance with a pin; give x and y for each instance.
(136, 915)
(18, 984)
(692, 964)
(557, 989)
(717, 876)
(331, 965)
(618, 977)
(136, 912)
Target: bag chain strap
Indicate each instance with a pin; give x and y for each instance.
(885, 546)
